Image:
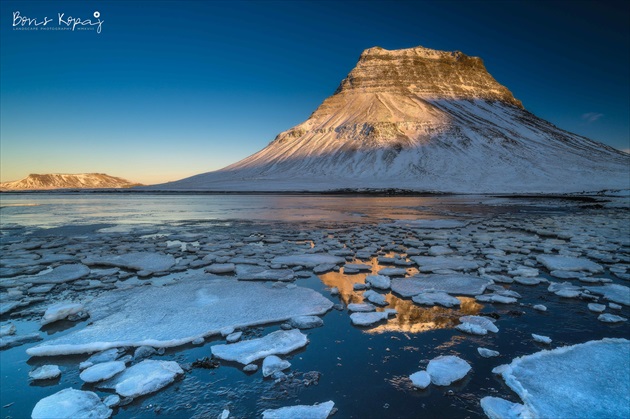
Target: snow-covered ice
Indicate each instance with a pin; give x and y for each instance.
(272, 364)
(481, 321)
(361, 307)
(71, 404)
(588, 380)
(45, 372)
(60, 311)
(541, 339)
(378, 281)
(487, 353)
(146, 377)
(597, 308)
(420, 379)
(149, 262)
(451, 284)
(611, 318)
(439, 263)
(431, 298)
(245, 352)
(498, 408)
(368, 318)
(375, 298)
(306, 322)
(568, 263)
(318, 411)
(177, 314)
(102, 371)
(258, 273)
(445, 370)
(613, 292)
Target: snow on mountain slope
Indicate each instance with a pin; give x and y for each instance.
(67, 181)
(423, 120)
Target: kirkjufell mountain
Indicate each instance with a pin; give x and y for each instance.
(67, 181)
(422, 120)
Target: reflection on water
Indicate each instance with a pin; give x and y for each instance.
(411, 318)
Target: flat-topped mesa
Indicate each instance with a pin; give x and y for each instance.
(427, 73)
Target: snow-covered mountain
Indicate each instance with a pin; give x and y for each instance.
(67, 181)
(424, 120)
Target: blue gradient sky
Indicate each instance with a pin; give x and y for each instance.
(172, 89)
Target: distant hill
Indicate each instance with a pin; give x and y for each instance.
(67, 181)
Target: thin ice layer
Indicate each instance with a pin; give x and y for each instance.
(177, 314)
(588, 380)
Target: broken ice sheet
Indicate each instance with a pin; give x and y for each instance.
(245, 352)
(138, 261)
(177, 314)
(451, 284)
(318, 411)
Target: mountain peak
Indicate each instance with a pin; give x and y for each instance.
(425, 73)
(36, 181)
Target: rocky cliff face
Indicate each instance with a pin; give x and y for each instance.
(424, 120)
(67, 181)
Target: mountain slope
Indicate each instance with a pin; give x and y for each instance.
(67, 181)
(424, 120)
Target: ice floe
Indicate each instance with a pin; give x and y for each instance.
(306, 322)
(487, 353)
(71, 404)
(60, 274)
(60, 311)
(420, 379)
(102, 371)
(149, 262)
(481, 321)
(568, 263)
(451, 284)
(272, 364)
(369, 318)
(440, 263)
(310, 260)
(613, 292)
(445, 370)
(361, 307)
(498, 408)
(178, 314)
(431, 298)
(588, 380)
(318, 411)
(45, 372)
(146, 377)
(375, 298)
(611, 318)
(245, 352)
(378, 281)
(541, 339)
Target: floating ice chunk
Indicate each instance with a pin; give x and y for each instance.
(272, 364)
(568, 263)
(104, 356)
(541, 339)
(614, 306)
(318, 411)
(306, 322)
(597, 308)
(523, 271)
(420, 379)
(540, 307)
(495, 298)
(325, 267)
(178, 314)
(220, 268)
(60, 274)
(613, 292)
(7, 329)
(481, 321)
(440, 250)
(45, 372)
(393, 272)
(567, 274)
(375, 298)
(451, 284)
(71, 404)
(360, 267)
(146, 377)
(112, 400)
(258, 273)
(378, 281)
(245, 352)
(473, 329)
(9, 306)
(588, 380)
(310, 260)
(17, 340)
(447, 369)
(142, 352)
(149, 262)
(497, 408)
(361, 307)
(60, 311)
(250, 368)
(440, 263)
(368, 318)
(103, 371)
(487, 353)
(528, 280)
(431, 298)
(225, 414)
(611, 318)
(234, 337)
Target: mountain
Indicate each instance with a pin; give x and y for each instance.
(67, 181)
(423, 120)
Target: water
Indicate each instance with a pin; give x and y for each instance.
(363, 370)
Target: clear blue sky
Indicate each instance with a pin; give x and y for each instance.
(171, 89)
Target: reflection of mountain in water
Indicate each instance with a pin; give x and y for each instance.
(411, 318)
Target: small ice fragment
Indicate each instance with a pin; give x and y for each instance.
(369, 318)
(487, 353)
(233, 337)
(310, 260)
(445, 370)
(440, 250)
(568, 263)
(597, 308)
(221, 268)
(471, 328)
(375, 298)
(225, 414)
(7, 329)
(420, 379)
(318, 411)
(306, 322)
(71, 404)
(378, 281)
(198, 341)
(103, 371)
(393, 272)
(614, 306)
(250, 368)
(112, 400)
(497, 408)
(60, 311)
(484, 322)
(495, 298)
(541, 339)
(334, 291)
(611, 318)
(540, 307)
(146, 377)
(430, 298)
(361, 307)
(245, 352)
(272, 364)
(45, 372)
(105, 356)
(142, 352)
